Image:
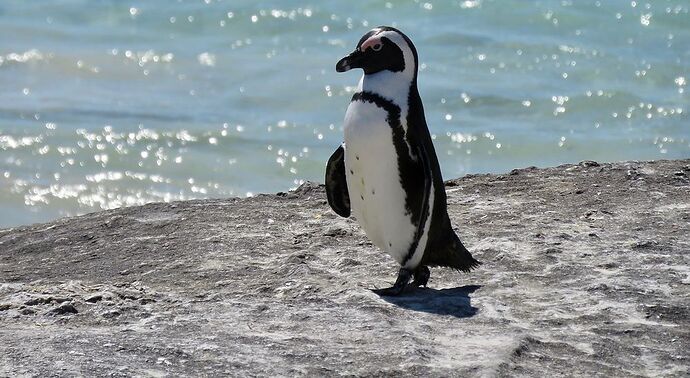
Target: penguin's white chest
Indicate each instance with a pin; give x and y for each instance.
(377, 198)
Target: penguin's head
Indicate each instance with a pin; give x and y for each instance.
(381, 49)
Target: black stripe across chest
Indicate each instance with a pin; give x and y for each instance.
(411, 175)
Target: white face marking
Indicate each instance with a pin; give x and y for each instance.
(372, 42)
(394, 86)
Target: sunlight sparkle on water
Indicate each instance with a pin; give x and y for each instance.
(244, 99)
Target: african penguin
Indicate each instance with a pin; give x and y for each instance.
(386, 172)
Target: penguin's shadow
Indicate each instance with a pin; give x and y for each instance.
(453, 301)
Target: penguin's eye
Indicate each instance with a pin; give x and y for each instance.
(377, 47)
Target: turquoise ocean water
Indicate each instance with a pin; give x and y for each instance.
(116, 103)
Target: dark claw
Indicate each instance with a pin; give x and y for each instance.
(421, 276)
(404, 276)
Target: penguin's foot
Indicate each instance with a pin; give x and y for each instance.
(404, 276)
(421, 276)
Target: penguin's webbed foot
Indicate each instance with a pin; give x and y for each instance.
(421, 276)
(404, 276)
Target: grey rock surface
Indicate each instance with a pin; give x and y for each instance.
(586, 272)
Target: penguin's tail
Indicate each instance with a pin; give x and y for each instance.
(461, 257)
(453, 254)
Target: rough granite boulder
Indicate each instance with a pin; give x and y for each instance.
(586, 272)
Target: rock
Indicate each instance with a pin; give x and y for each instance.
(111, 314)
(645, 244)
(306, 188)
(94, 298)
(145, 301)
(335, 231)
(44, 300)
(65, 308)
(591, 284)
(589, 163)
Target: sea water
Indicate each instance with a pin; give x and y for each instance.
(116, 103)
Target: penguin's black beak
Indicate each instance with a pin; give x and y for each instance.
(354, 60)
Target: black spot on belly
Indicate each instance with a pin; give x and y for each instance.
(362, 198)
(390, 244)
(357, 157)
(352, 172)
(373, 192)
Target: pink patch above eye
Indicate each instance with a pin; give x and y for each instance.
(373, 42)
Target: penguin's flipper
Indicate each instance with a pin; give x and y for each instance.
(336, 183)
